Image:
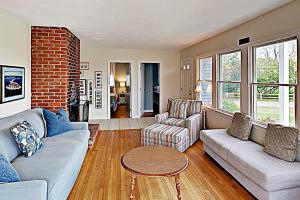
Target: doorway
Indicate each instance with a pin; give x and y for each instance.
(149, 89)
(120, 89)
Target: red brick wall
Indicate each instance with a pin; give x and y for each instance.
(55, 60)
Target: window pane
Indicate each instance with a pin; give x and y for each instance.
(274, 104)
(277, 63)
(206, 69)
(230, 66)
(229, 97)
(206, 94)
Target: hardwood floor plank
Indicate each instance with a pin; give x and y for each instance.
(102, 176)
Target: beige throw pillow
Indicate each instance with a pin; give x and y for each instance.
(240, 126)
(281, 142)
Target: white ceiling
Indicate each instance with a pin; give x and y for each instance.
(163, 24)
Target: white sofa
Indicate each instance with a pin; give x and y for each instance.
(266, 177)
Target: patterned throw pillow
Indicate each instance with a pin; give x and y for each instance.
(281, 141)
(240, 126)
(178, 109)
(26, 138)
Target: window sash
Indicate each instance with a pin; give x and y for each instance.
(220, 64)
(254, 111)
(253, 50)
(253, 58)
(218, 94)
(203, 58)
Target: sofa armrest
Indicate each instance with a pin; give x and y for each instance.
(25, 190)
(160, 117)
(194, 124)
(80, 125)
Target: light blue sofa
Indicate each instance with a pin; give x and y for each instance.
(52, 171)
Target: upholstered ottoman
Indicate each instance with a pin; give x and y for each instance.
(165, 135)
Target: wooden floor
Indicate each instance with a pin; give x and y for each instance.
(102, 176)
(120, 112)
(148, 114)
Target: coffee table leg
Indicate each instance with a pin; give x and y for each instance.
(133, 177)
(177, 181)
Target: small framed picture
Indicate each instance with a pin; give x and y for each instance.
(84, 66)
(98, 79)
(82, 87)
(12, 83)
(81, 73)
(90, 91)
(98, 99)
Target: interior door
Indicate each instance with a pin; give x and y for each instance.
(128, 95)
(186, 82)
(142, 89)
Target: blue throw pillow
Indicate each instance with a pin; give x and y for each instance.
(26, 138)
(7, 171)
(57, 123)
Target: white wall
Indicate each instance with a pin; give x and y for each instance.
(15, 51)
(99, 57)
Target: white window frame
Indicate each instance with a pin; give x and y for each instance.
(218, 81)
(252, 49)
(206, 80)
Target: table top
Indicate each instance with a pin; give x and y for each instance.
(154, 161)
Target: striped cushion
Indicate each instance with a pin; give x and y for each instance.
(181, 146)
(169, 104)
(174, 122)
(178, 109)
(195, 107)
(161, 132)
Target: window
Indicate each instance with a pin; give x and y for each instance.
(229, 81)
(274, 82)
(205, 81)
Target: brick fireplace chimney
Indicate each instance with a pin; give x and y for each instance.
(55, 68)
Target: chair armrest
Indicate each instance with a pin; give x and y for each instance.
(25, 190)
(194, 124)
(80, 125)
(160, 117)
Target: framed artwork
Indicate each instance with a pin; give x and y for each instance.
(12, 83)
(90, 91)
(98, 99)
(98, 79)
(82, 87)
(84, 66)
(81, 73)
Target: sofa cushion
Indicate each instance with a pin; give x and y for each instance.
(26, 138)
(174, 122)
(8, 147)
(265, 170)
(240, 126)
(194, 107)
(55, 162)
(281, 141)
(219, 141)
(178, 109)
(7, 171)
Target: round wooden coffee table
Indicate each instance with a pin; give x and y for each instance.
(154, 161)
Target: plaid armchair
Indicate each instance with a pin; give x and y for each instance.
(193, 121)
